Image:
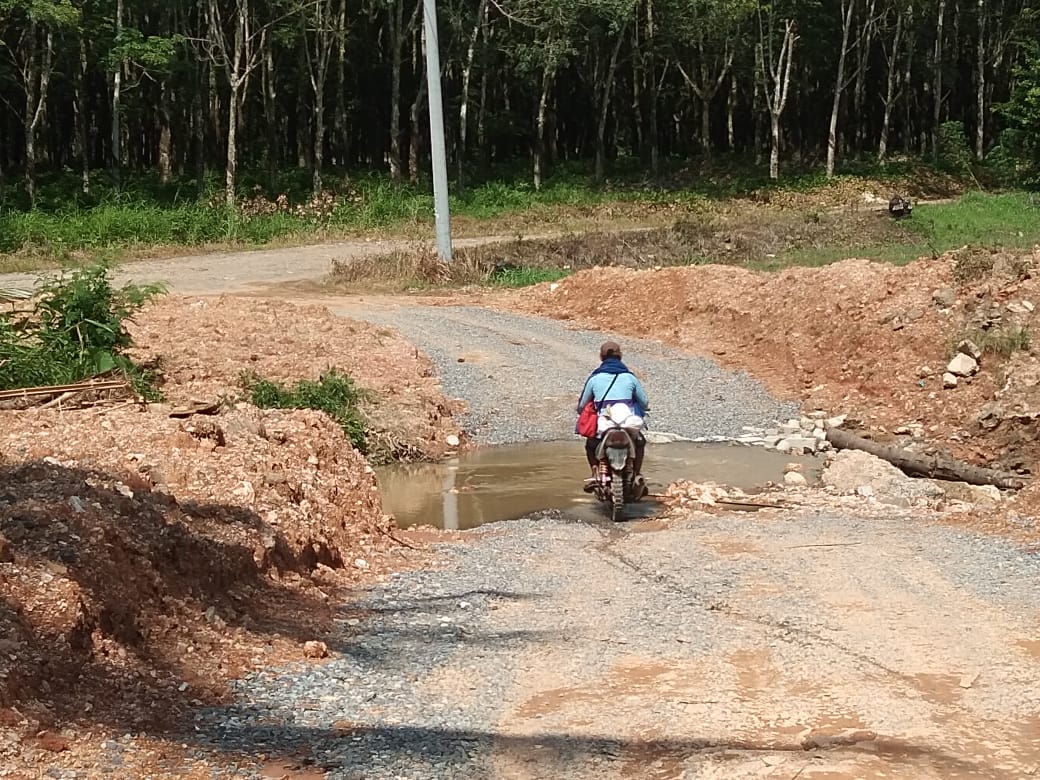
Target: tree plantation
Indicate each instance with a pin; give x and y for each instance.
(186, 88)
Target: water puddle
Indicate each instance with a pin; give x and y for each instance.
(505, 483)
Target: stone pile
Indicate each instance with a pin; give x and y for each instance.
(798, 436)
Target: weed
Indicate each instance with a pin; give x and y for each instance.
(75, 330)
(333, 393)
(525, 276)
(1003, 342)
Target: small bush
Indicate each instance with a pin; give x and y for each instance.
(1003, 341)
(333, 393)
(525, 276)
(954, 153)
(75, 330)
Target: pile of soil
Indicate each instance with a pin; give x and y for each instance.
(859, 337)
(148, 555)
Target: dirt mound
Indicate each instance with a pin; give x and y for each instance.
(862, 337)
(205, 344)
(146, 558)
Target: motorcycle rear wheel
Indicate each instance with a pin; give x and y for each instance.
(617, 496)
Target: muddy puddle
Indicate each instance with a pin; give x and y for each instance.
(505, 483)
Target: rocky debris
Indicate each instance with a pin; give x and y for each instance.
(982, 496)
(697, 495)
(794, 479)
(970, 348)
(314, 649)
(963, 365)
(944, 298)
(949, 380)
(803, 436)
(857, 472)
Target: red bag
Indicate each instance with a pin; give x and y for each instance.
(587, 420)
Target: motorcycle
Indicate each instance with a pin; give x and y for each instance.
(616, 483)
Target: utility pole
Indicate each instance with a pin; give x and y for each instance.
(436, 111)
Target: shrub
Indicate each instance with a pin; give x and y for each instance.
(75, 330)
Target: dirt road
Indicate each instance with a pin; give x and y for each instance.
(798, 645)
(806, 644)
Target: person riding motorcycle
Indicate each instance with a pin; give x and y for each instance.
(613, 382)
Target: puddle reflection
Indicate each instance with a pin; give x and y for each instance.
(504, 483)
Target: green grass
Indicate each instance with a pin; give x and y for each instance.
(990, 221)
(333, 393)
(525, 277)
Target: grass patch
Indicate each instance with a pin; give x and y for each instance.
(1003, 342)
(333, 393)
(74, 331)
(525, 277)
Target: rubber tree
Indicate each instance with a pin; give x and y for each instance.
(775, 57)
(705, 36)
(321, 31)
(39, 23)
(235, 44)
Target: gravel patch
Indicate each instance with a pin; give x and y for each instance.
(559, 646)
(504, 365)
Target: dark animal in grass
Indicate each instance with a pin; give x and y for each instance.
(899, 207)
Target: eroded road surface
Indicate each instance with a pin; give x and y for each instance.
(746, 646)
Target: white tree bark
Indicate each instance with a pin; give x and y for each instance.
(776, 80)
(980, 84)
(847, 8)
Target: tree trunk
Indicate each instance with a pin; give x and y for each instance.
(319, 135)
(117, 111)
(165, 140)
(731, 109)
(81, 117)
(396, 63)
(980, 85)
(415, 131)
(937, 66)
(654, 130)
(923, 466)
(604, 111)
(866, 40)
(467, 74)
(539, 141)
(890, 88)
(37, 77)
(269, 88)
(231, 160)
(847, 6)
(779, 75)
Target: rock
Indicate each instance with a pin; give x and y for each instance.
(6, 553)
(798, 445)
(944, 298)
(794, 479)
(949, 381)
(979, 495)
(315, 649)
(794, 467)
(914, 315)
(856, 472)
(452, 440)
(51, 742)
(835, 422)
(970, 348)
(963, 365)
(360, 563)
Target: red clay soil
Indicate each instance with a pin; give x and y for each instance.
(859, 337)
(145, 559)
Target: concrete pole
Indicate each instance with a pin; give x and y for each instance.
(436, 111)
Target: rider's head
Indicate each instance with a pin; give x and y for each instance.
(610, 349)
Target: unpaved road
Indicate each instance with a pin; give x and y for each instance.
(798, 645)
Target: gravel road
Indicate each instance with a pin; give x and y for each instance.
(797, 645)
(520, 376)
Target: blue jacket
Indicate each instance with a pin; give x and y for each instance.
(626, 387)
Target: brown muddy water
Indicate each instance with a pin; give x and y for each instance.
(508, 482)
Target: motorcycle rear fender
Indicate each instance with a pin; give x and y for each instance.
(617, 457)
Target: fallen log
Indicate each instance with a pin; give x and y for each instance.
(934, 467)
